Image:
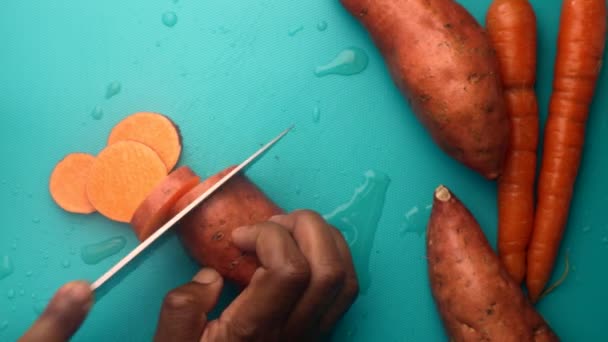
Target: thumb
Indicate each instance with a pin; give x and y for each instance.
(183, 315)
(63, 315)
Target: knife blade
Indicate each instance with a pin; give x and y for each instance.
(170, 223)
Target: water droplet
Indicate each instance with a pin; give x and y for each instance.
(605, 240)
(322, 25)
(36, 220)
(348, 62)
(94, 253)
(6, 266)
(10, 294)
(175, 1)
(317, 196)
(14, 308)
(157, 43)
(316, 114)
(358, 220)
(113, 89)
(3, 325)
(169, 18)
(298, 190)
(429, 207)
(586, 229)
(45, 256)
(292, 32)
(73, 250)
(97, 112)
(13, 247)
(34, 296)
(29, 274)
(30, 195)
(411, 212)
(22, 292)
(65, 263)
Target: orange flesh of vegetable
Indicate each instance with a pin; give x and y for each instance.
(152, 129)
(68, 180)
(154, 210)
(121, 177)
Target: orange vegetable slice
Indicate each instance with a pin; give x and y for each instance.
(153, 212)
(67, 183)
(121, 177)
(152, 129)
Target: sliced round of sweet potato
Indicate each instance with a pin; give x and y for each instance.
(153, 212)
(121, 177)
(152, 129)
(67, 184)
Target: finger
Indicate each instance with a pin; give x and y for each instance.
(275, 286)
(349, 291)
(63, 315)
(184, 311)
(314, 236)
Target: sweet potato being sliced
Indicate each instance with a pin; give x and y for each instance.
(153, 212)
(206, 230)
(152, 129)
(476, 297)
(121, 177)
(67, 184)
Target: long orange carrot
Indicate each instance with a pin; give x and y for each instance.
(68, 180)
(121, 177)
(511, 26)
(580, 46)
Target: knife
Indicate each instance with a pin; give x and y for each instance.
(147, 242)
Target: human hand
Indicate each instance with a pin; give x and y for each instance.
(306, 282)
(63, 315)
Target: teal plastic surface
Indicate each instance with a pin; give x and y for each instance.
(233, 74)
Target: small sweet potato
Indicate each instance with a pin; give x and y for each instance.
(476, 297)
(444, 64)
(206, 230)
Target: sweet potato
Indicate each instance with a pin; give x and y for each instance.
(443, 63)
(476, 297)
(206, 230)
(153, 212)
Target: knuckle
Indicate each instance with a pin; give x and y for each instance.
(309, 216)
(295, 271)
(352, 289)
(330, 277)
(178, 300)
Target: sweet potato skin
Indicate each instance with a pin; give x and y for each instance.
(206, 231)
(475, 296)
(443, 63)
(153, 212)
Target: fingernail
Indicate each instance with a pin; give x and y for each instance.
(206, 276)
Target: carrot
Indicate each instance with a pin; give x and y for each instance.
(511, 26)
(67, 183)
(153, 129)
(580, 46)
(153, 212)
(121, 177)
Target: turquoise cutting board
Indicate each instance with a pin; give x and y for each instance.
(233, 74)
